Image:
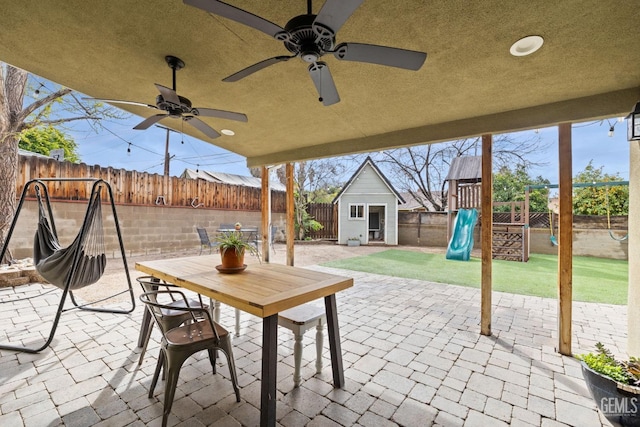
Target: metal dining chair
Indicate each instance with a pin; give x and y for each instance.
(205, 242)
(171, 318)
(179, 343)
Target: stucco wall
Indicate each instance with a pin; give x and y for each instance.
(633, 325)
(145, 229)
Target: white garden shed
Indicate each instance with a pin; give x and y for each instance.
(368, 207)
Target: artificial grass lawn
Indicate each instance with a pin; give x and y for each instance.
(594, 279)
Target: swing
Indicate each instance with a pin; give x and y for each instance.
(55, 263)
(80, 264)
(552, 238)
(613, 236)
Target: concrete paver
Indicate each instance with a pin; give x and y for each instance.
(412, 355)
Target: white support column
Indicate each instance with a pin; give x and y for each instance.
(633, 303)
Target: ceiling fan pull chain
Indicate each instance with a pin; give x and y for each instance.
(320, 84)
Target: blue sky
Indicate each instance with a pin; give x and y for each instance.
(590, 141)
(109, 148)
(120, 146)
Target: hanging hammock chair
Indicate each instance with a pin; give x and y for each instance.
(55, 263)
(73, 267)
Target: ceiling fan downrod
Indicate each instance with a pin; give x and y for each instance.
(175, 64)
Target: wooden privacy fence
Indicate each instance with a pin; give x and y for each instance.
(141, 188)
(327, 215)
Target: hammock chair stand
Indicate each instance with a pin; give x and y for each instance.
(78, 265)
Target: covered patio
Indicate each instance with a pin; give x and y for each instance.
(471, 85)
(412, 354)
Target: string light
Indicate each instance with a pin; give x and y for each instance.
(611, 128)
(129, 148)
(37, 91)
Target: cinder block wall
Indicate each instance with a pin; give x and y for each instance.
(145, 229)
(430, 229)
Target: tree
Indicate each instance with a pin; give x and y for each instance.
(43, 139)
(314, 181)
(421, 171)
(19, 113)
(596, 200)
(508, 186)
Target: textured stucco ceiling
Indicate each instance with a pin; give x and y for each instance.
(588, 68)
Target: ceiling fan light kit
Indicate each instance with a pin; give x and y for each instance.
(310, 37)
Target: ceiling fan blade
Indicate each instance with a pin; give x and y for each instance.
(118, 101)
(238, 15)
(256, 67)
(201, 126)
(221, 114)
(147, 123)
(334, 13)
(382, 55)
(321, 77)
(168, 94)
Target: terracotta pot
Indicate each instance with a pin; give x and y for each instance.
(231, 259)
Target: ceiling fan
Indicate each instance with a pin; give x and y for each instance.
(179, 107)
(311, 36)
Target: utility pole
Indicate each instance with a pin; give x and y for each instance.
(166, 155)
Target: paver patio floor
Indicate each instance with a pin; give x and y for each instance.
(412, 352)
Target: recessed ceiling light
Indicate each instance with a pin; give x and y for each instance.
(526, 45)
(228, 132)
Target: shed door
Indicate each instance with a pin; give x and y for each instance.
(376, 223)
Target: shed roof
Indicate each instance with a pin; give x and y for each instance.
(231, 179)
(369, 161)
(411, 204)
(465, 168)
(23, 152)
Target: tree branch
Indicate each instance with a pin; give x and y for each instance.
(22, 116)
(55, 121)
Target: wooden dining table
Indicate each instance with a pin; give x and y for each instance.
(263, 290)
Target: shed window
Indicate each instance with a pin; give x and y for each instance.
(356, 211)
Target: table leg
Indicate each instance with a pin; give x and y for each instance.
(269, 361)
(215, 305)
(237, 322)
(334, 340)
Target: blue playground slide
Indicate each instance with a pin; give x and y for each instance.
(461, 241)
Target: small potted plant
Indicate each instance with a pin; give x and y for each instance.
(613, 385)
(238, 226)
(353, 241)
(232, 251)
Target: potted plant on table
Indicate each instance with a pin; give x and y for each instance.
(614, 385)
(232, 251)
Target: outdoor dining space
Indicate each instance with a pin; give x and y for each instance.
(411, 356)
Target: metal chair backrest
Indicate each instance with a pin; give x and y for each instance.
(204, 236)
(161, 311)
